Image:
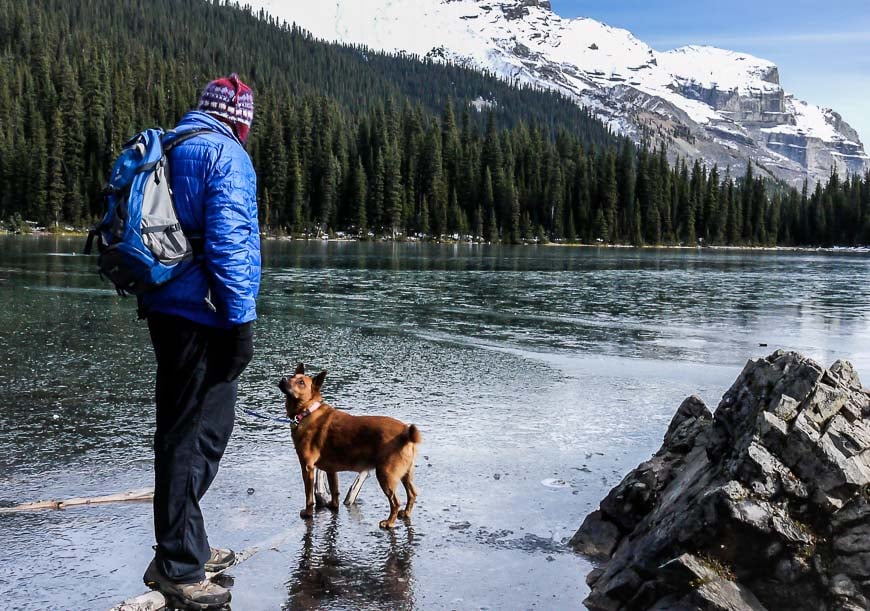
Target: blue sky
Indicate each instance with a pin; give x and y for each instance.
(822, 47)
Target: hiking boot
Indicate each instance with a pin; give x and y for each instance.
(199, 596)
(219, 560)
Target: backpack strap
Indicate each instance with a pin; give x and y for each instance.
(197, 242)
(182, 137)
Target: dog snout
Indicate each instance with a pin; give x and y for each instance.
(282, 384)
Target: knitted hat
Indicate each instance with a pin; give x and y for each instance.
(232, 100)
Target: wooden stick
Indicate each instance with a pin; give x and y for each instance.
(356, 487)
(145, 494)
(154, 601)
(321, 492)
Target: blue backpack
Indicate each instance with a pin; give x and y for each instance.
(140, 240)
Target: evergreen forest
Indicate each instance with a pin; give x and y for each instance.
(347, 139)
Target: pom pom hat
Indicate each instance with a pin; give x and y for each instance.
(231, 100)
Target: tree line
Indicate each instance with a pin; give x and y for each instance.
(347, 139)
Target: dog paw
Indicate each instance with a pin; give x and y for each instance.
(306, 514)
(404, 515)
(333, 506)
(385, 524)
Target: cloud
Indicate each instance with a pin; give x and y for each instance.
(762, 39)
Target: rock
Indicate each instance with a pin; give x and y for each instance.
(638, 492)
(597, 538)
(593, 576)
(854, 513)
(691, 418)
(845, 590)
(706, 586)
(766, 504)
(854, 540)
(785, 409)
(846, 374)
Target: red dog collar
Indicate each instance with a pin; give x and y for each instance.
(298, 418)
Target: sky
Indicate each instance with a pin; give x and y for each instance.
(822, 47)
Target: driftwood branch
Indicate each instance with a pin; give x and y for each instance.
(133, 496)
(355, 488)
(154, 601)
(321, 490)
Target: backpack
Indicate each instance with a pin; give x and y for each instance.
(140, 240)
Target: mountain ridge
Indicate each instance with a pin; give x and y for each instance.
(721, 106)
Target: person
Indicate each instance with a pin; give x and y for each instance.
(201, 330)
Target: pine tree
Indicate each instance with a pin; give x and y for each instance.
(583, 197)
(434, 183)
(570, 228)
(685, 208)
(491, 233)
(359, 194)
(329, 182)
(72, 116)
(37, 172)
(667, 197)
(376, 195)
(393, 191)
(296, 218)
(450, 144)
(275, 172)
(722, 209)
(773, 220)
(488, 191)
(514, 224)
(477, 228)
(554, 198)
(626, 185)
(611, 199)
(711, 207)
(424, 217)
(492, 157)
(758, 198)
(265, 210)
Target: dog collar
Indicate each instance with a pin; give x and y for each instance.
(298, 418)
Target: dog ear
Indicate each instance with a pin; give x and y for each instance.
(300, 369)
(318, 380)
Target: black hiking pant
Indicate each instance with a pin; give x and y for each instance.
(197, 380)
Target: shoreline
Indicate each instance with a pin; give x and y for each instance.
(717, 247)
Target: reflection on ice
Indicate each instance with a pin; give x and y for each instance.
(329, 570)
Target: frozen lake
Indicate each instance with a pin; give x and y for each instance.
(537, 375)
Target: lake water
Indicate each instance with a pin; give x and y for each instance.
(537, 375)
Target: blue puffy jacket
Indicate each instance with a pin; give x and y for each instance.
(215, 191)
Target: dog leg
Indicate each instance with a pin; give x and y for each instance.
(332, 477)
(308, 480)
(410, 493)
(388, 485)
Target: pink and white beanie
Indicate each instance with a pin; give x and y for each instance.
(232, 100)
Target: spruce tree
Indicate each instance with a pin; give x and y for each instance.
(359, 194)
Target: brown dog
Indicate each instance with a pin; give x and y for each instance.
(334, 441)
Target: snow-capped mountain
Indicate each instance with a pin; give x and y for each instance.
(721, 106)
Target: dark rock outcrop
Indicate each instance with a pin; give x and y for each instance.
(765, 505)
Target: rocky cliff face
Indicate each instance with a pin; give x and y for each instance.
(719, 106)
(765, 504)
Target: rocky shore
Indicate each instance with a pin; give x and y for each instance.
(764, 504)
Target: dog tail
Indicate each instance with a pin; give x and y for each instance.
(413, 434)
